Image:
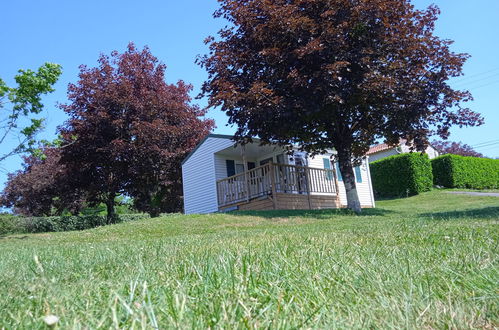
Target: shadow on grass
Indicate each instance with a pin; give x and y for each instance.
(316, 214)
(479, 213)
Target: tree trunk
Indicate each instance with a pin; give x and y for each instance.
(111, 213)
(346, 169)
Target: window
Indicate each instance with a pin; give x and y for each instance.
(327, 166)
(280, 159)
(338, 172)
(358, 174)
(231, 167)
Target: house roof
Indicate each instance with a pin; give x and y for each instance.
(378, 147)
(220, 136)
(382, 146)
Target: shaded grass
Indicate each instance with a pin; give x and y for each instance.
(398, 266)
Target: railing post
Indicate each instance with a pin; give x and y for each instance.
(307, 183)
(272, 183)
(219, 198)
(245, 168)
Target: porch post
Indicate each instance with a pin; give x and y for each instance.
(307, 182)
(272, 183)
(245, 166)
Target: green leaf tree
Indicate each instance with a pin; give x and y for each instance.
(19, 107)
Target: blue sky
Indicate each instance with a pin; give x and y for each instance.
(76, 32)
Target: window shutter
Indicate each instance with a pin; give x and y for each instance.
(251, 165)
(231, 167)
(338, 172)
(358, 174)
(327, 166)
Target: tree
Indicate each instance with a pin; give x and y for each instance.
(456, 148)
(24, 101)
(42, 187)
(129, 130)
(334, 74)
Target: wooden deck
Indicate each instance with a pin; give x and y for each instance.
(279, 186)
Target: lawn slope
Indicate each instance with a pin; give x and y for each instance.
(426, 261)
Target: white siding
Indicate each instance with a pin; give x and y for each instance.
(432, 152)
(404, 148)
(383, 154)
(364, 189)
(220, 167)
(199, 177)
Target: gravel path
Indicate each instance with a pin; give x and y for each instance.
(474, 193)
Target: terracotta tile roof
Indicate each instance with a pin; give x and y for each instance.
(382, 146)
(377, 148)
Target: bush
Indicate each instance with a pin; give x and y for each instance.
(9, 224)
(15, 224)
(454, 171)
(401, 175)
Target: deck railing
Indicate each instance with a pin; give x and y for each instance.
(269, 179)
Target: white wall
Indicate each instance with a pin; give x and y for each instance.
(364, 188)
(199, 176)
(432, 152)
(382, 154)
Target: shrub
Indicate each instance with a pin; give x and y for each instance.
(401, 175)
(454, 171)
(9, 224)
(14, 224)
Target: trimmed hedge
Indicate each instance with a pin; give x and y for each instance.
(401, 175)
(16, 224)
(454, 171)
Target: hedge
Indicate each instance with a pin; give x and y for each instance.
(401, 175)
(454, 171)
(16, 224)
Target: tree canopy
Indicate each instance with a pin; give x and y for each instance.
(128, 131)
(335, 74)
(42, 187)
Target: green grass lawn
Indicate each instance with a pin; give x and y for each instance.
(429, 261)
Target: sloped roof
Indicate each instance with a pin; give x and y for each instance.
(383, 146)
(221, 136)
(377, 148)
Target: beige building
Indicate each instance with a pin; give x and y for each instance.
(383, 150)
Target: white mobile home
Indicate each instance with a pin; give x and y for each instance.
(219, 175)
